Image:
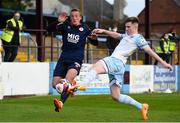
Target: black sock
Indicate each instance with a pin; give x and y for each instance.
(64, 96)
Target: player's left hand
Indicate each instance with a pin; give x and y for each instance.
(169, 67)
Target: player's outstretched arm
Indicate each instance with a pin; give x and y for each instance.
(92, 38)
(109, 33)
(154, 55)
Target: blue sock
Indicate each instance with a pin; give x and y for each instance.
(64, 96)
(129, 100)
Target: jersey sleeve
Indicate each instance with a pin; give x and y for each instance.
(88, 30)
(141, 42)
(60, 26)
(122, 35)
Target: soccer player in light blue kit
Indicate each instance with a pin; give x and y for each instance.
(114, 65)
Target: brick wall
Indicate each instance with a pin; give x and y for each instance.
(164, 15)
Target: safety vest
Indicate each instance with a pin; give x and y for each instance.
(172, 43)
(7, 34)
(165, 45)
(1, 49)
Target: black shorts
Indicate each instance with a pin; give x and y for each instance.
(62, 67)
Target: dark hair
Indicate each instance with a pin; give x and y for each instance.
(132, 20)
(75, 10)
(16, 12)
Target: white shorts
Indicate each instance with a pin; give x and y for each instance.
(115, 69)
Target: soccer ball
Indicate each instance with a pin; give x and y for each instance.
(62, 86)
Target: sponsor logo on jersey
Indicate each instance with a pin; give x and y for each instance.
(73, 38)
(143, 41)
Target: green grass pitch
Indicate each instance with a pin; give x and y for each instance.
(89, 108)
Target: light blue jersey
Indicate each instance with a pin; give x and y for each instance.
(115, 64)
(128, 45)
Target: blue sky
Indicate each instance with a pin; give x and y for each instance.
(133, 8)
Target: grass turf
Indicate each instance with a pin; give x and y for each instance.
(89, 108)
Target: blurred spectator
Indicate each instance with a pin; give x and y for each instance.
(169, 40)
(111, 42)
(163, 49)
(1, 49)
(11, 38)
(172, 42)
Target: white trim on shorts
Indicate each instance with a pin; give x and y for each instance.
(114, 81)
(104, 65)
(111, 82)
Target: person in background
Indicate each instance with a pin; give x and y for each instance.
(11, 37)
(172, 36)
(163, 49)
(1, 49)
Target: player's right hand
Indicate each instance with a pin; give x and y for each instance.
(98, 31)
(168, 66)
(62, 18)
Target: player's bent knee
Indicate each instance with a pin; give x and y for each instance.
(114, 97)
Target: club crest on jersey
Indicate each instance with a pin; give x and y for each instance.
(81, 29)
(73, 38)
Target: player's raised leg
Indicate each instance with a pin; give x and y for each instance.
(70, 76)
(117, 96)
(56, 84)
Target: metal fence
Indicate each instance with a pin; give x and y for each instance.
(52, 50)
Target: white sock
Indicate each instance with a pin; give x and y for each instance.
(129, 100)
(58, 88)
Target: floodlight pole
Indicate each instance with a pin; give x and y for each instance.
(39, 34)
(82, 7)
(147, 27)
